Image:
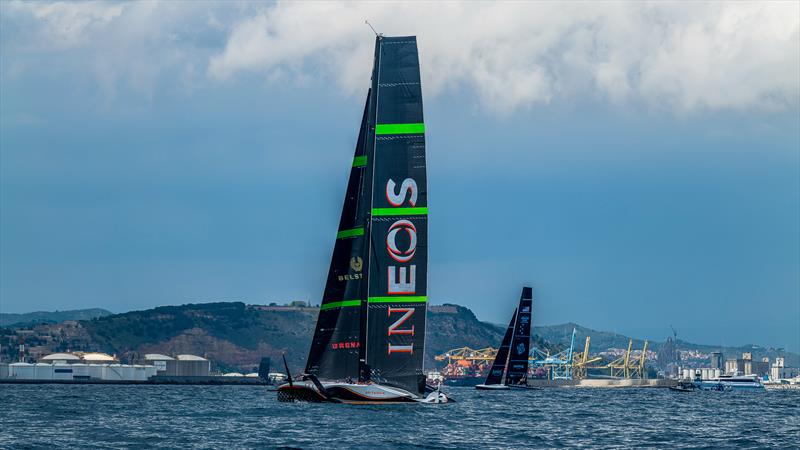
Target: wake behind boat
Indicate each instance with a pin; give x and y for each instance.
(369, 340)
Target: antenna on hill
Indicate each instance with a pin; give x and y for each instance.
(373, 29)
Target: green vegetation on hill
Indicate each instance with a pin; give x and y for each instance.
(233, 334)
(38, 317)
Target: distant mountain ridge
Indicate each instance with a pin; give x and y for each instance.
(235, 336)
(32, 318)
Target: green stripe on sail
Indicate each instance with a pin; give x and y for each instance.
(341, 304)
(353, 232)
(417, 299)
(400, 128)
(360, 161)
(418, 211)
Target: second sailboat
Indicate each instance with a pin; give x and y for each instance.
(510, 367)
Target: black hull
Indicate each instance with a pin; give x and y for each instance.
(352, 393)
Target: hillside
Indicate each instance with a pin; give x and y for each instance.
(235, 336)
(33, 318)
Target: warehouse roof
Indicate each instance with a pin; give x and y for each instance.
(190, 358)
(98, 357)
(61, 357)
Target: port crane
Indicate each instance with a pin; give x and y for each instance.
(582, 360)
(627, 367)
(564, 365)
(483, 355)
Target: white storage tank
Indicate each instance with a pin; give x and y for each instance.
(43, 371)
(22, 371)
(717, 373)
(80, 371)
(704, 374)
(139, 373)
(96, 371)
(62, 371)
(687, 373)
(112, 372)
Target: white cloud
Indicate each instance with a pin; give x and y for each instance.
(69, 23)
(682, 57)
(679, 55)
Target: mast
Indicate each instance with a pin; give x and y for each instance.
(364, 370)
(520, 345)
(498, 368)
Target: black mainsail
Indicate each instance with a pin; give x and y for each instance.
(334, 352)
(498, 368)
(520, 345)
(371, 324)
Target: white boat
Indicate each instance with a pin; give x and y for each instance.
(730, 383)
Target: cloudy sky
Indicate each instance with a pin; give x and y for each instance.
(638, 163)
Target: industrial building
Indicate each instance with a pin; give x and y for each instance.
(746, 366)
(79, 372)
(717, 360)
(179, 366)
(778, 371)
(79, 366)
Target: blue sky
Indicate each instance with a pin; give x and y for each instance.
(639, 164)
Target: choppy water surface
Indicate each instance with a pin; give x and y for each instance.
(95, 416)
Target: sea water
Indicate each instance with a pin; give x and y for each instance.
(105, 416)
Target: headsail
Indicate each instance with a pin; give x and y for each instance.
(495, 375)
(335, 347)
(520, 345)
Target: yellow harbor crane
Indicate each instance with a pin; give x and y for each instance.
(484, 355)
(561, 365)
(581, 361)
(624, 367)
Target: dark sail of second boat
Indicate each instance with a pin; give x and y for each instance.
(512, 356)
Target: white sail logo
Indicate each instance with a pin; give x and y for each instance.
(402, 280)
(391, 241)
(397, 199)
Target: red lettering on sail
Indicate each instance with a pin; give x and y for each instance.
(401, 349)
